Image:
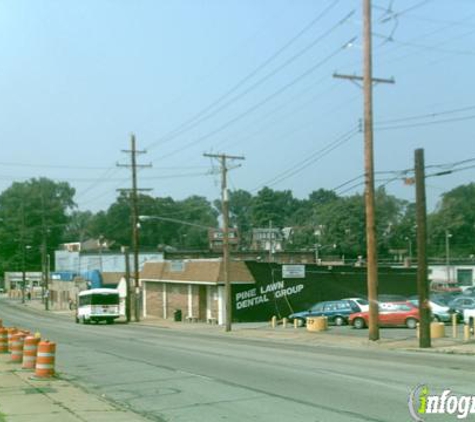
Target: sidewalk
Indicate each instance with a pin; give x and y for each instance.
(23, 399)
(333, 337)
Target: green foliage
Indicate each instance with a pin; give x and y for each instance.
(455, 214)
(115, 223)
(30, 212)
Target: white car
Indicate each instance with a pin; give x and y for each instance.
(469, 316)
(363, 304)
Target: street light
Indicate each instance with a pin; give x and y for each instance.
(448, 235)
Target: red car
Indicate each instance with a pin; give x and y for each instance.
(394, 314)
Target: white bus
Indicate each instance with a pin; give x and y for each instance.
(97, 305)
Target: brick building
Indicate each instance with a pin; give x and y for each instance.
(195, 287)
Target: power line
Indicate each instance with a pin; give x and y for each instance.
(201, 115)
(425, 116)
(437, 122)
(315, 156)
(259, 104)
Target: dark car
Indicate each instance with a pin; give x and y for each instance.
(337, 311)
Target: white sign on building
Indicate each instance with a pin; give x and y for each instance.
(293, 271)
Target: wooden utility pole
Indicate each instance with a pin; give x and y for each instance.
(135, 219)
(23, 252)
(372, 259)
(422, 281)
(226, 254)
(125, 250)
(371, 244)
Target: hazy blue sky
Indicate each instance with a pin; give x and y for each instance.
(250, 77)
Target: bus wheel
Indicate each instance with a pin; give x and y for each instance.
(109, 321)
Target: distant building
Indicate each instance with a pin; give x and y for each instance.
(267, 239)
(109, 262)
(88, 245)
(463, 275)
(215, 237)
(13, 282)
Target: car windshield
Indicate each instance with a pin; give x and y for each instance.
(439, 302)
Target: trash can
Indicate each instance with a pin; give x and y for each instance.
(177, 315)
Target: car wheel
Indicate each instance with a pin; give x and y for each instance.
(77, 319)
(411, 323)
(435, 318)
(339, 321)
(359, 323)
(85, 321)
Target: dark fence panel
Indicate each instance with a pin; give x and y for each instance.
(274, 295)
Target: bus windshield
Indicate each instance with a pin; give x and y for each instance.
(105, 299)
(99, 298)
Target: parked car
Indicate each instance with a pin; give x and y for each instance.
(468, 291)
(400, 314)
(444, 286)
(337, 311)
(460, 303)
(362, 303)
(388, 301)
(440, 311)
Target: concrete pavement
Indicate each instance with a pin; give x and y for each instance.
(23, 399)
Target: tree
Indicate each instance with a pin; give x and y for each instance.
(32, 212)
(240, 211)
(79, 227)
(272, 206)
(455, 214)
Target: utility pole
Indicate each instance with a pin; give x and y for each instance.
(372, 265)
(422, 281)
(125, 250)
(47, 293)
(43, 255)
(448, 235)
(23, 252)
(225, 210)
(271, 241)
(368, 81)
(135, 220)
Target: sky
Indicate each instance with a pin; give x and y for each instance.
(252, 78)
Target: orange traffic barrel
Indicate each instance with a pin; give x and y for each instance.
(10, 332)
(30, 350)
(17, 347)
(3, 340)
(45, 359)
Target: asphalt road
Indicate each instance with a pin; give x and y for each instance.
(170, 375)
